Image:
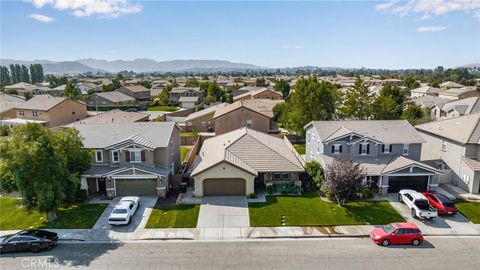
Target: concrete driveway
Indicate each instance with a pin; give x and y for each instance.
(224, 212)
(139, 220)
(457, 225)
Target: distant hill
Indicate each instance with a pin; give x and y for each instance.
(52, 67)
(471, 66)
(148, 65)
(137, 65)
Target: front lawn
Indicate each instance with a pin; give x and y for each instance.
(163, 108)
(311, 210)
(183, 152)
(176, 216)
(188, 134)
(76, 216)
(470, 210)
(300, 148)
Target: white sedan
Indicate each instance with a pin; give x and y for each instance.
(123, 212)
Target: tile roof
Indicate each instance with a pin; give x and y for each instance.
(8, 102)
(386, 131)
(184, 89)
(114, 96)
(204, 112)
(463, 129)
(188, 99)
(134, 139)
(41, 102)
(457, 91)
(426, 90)
(429, 101)
(250, 150)
(255, 92)
(136, 88)
(262, 106)
(115, 116)
(473, 163)
(104, 135)
(103, 170)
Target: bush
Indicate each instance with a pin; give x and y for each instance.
(253, 196)
(365, 193)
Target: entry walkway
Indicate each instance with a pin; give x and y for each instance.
(224, 212)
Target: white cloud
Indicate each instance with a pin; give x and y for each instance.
(431, 29)
(85, 8)
(41, 18)
(431, 8)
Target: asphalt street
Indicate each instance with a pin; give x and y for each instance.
(340, 253)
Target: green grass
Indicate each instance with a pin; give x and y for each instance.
(470, 210)
(76, 216)
(163, 108)
(176, 216)
(183, 152)
(300, 148)
(188, 134)
(311, 210)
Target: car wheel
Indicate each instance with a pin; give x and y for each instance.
(415, 242)
(413, 214)
(385, 242)
(35, 249)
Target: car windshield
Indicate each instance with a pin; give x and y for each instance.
(445, 201)
(423, 205)
(119, 211)
(388, 228)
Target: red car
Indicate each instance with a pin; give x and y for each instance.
(397, 233)
(444, 205)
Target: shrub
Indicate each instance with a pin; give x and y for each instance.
(253, 196)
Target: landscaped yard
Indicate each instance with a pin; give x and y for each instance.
(471, 210)
(311, 210)
(300, 148)
(76, 216)
(183, 152)
(188, 134)
(176, 216)
(163, 108)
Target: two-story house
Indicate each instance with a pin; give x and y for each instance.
(49, 111)
(456, 143)
(388, 151)
(138, 92)
(176, 93)
(130, 158)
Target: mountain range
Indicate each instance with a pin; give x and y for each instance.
(137, 65)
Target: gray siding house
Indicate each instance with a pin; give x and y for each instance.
(388, 151)
(455, 143)
(130, 158)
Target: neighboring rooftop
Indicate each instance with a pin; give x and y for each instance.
(115, 96)
(184, 89)
(104, 135)
(136, 88)
(204, 112)
(114, 116)
(41, 102)
(254, 92)
(188, 99)
(463, 106)
(250, 150)
(463, 129)
(262, 106)
(428, 101)
(426, 90)
(450, 84)
(8, 102)
(386, 131)
(454, 92)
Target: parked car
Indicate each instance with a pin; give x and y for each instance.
(444, 205)
(397, 233)
(123, 212)
(33, 240)
(417, 203)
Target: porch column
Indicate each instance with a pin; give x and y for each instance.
(84, 184)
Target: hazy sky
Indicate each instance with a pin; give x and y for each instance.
(374, 34)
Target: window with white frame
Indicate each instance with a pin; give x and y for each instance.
(115, 156)
(405, 149)
(386, 148)
(34, 113)
(21, 112)
(364, 148)
(336, 148)
(309, 135)
(444, 145)
(135, 156)
(466, 179)
(98, 156)
(285, 176)
(249, 123)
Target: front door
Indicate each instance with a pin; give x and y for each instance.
(102, 186)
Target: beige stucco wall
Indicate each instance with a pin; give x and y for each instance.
(272, 95)
(196, 124)
(238, 119)
(8, 114)
(220, 171)
(59, 115)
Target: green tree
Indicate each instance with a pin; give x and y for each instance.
(310, 101)
(385, 108)
(192, 83)
(145, 84)
(358, 102)
(27, 95)
(416, 115)
(411, 83)
(279, 112)
(343, 180)
(315, 172)
(162, 98)
(36, 73)
(283, 86)
(261, 82)
(25, 75)
(43, 166)
(4, 77)
(71, 91)
(13, 72)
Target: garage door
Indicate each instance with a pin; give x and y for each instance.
(224, 187)
(127, 187)
(396, 183)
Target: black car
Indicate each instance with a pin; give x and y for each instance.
(33, 240)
